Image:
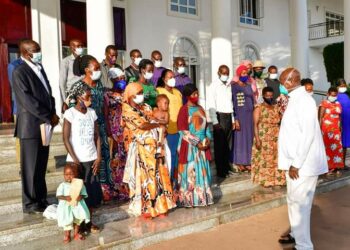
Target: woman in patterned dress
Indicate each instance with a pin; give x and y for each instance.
(264, 157)
(194, 177)
(113, 100)
(329, 115)
(148, 178)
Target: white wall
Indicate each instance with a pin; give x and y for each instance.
(318, 9)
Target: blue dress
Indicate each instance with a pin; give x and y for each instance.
(243, 106)
(345, 118)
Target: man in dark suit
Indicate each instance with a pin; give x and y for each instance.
(35, 106)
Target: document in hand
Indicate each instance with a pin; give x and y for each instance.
(75, 189)
(46, 133)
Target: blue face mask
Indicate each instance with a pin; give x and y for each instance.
(244, 78)
(283, 90)
(121, 84)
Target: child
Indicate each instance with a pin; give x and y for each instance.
(82, 141)
(69, 216)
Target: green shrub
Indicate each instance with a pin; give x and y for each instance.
(333, 56)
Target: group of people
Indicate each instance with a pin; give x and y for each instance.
(139, 134)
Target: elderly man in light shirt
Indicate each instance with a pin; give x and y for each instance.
(301, 153)
(221, 115)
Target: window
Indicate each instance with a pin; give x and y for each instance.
(334, 24)
(251, 53)
(185, 48)
(184, 8)
(251, 12)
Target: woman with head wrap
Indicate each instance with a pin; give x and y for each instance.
(147, 177)
(194, 177)
(243, 105)
(251, 80)
(113, 99)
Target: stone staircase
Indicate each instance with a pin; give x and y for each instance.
(235, 197)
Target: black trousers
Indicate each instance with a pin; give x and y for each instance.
(222, 138)
(34, 157)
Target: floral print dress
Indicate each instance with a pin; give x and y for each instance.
(331, 131)
(265, 161)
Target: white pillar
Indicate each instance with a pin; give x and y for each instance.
(299, 36)
(347, 40)
(100, 28)
(221, 41)
(46, 31)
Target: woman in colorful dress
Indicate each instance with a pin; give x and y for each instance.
(329, 115)
(243, 105)
(264, 156)
(150, 189)
(344, 100)
(194, 177)
(113, 114)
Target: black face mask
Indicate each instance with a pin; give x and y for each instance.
(269, 101)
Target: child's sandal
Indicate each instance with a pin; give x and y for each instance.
(66, 239)
(79, 236)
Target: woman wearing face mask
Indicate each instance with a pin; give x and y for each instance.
(166, 86)
(146, 68)
(88, 67)
(264, 156)
(113, 116)
(344, 100)
(329, 116)
(148, 179)
(194, 153)
(243, 105)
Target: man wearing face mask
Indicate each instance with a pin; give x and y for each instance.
(67, 77)
(132, 72)
(308, 84)
(181, 77)
(110, 61)
(258, 70)
(221, 115)
(157, 60)
(301, 153)
(273, 82)
(36, 106)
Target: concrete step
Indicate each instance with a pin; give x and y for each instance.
(9, 139)
(135, 233)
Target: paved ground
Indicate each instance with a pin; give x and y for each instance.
(330, 228)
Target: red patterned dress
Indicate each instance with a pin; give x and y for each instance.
(331, 131)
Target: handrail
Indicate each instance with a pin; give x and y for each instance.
(325, 23)
(326, 29)
(320, 92)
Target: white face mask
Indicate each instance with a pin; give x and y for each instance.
(158, 64)
(171, 82)
(148, 75)
(332, 98)
(342, 89)
(36, 57)
(96, 75)
(138, 60)
(79, 51)
(181, 70)
(224, 78)
(139, 99)
(273, 76)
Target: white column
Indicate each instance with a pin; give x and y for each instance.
(299, 36)
(221, 42)
(347, 40)
(46, 31)
(100, 28)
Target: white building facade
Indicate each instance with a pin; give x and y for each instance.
(207, 33)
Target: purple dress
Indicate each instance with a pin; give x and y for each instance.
(243, 106)
(157, 73)
(345, 118)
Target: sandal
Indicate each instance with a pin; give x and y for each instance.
(286, 239)
(79, 236)
(66, 239)
(241, 169)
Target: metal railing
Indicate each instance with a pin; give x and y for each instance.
(327, 29)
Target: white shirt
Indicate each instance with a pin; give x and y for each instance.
(220, 99)
(37, 70)
(300, 142)
(82, 134)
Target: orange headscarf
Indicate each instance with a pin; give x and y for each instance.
(131, 90)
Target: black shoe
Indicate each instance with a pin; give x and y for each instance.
(44, 204)
(36, 210)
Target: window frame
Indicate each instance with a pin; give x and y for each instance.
(260, 10)
(330, 25)
(184, 15)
